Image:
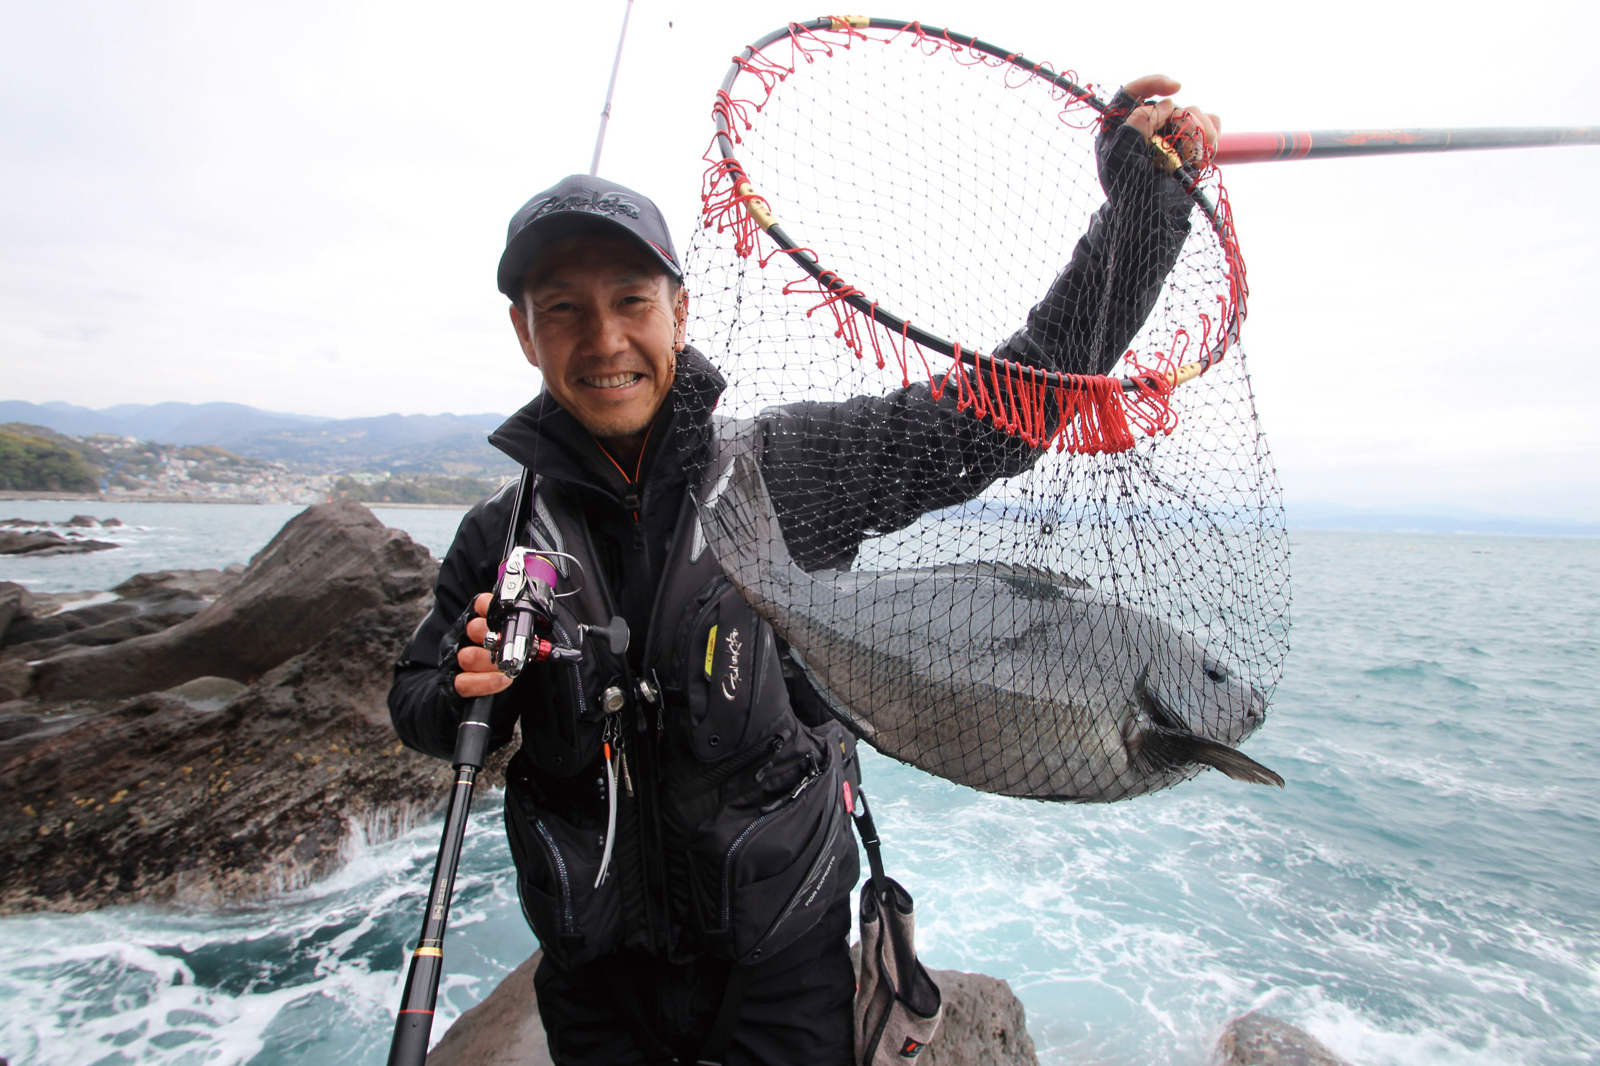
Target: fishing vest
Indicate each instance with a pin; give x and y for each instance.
(731, 834)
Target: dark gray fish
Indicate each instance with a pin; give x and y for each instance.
(1008, 679)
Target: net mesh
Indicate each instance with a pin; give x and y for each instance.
(1012, 554)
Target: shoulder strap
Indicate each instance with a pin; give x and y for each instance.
(861, 814)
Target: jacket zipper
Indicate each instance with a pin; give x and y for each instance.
(577, 675)
(784, 804)
(568, 923)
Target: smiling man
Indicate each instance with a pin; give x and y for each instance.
(675, 811)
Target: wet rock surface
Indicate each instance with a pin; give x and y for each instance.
(15, 602)
(1258, 1039)
(47, 542)
(160, 799)
(983, 1023)
(207, 790)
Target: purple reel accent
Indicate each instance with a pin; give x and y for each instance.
(539, 568)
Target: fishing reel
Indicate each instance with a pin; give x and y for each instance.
(522, 621)
(522, 614)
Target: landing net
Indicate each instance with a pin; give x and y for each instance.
(1017, 519)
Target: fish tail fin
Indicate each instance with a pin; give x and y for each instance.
(1173, 748)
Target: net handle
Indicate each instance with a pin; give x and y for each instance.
(1334, 144)
(760, 213)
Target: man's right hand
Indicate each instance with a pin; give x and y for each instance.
(479, 675)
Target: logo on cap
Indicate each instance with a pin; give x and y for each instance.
(609, 204)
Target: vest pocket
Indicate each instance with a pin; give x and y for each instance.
(557, 863)
(727, 659)
(763, 876)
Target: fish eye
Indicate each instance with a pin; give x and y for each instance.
(1216, 672)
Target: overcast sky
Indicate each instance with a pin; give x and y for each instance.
(300, 206)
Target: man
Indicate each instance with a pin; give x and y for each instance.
(675, 810)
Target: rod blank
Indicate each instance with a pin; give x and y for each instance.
(1326, 144)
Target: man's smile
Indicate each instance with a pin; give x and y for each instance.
(612, 381)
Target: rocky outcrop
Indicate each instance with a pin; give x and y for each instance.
(159, 800)
(15, 602)
(984, 1025)
(207, 584)
(44, 542)
(327, 563)
(207, 790)
(503, 1030)
(1261, 1040)
(100, 624)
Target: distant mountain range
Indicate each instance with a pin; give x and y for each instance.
(400, 444)
(1331, 516)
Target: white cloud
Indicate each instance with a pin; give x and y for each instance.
(203, 201)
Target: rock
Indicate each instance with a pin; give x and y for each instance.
(44, 542)
(208, 584)
(101, 624)
(155, 800)
(83, 521)
(984, 1025)
(327, 563)
(503, 1030)
(16, 679)
(208, 693)
(15, 602)
(69, 620)
(1258, 1039)
(112, 523)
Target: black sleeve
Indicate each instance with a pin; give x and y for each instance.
(841, 472)
(1101, 299)
(423, 703)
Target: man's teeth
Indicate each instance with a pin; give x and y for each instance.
(614, 381)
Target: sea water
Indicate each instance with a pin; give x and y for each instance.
(1425, 890)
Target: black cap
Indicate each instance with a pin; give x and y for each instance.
(581, 204)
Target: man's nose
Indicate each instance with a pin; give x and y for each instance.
(603, 332)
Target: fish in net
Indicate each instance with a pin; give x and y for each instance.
(988, 459)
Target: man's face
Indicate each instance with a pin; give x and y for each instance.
(601, 320)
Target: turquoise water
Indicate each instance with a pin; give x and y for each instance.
(1426, 890)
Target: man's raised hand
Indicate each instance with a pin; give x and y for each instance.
(479, 675)
(1191, 131)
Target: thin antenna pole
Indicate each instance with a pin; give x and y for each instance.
(605, 116)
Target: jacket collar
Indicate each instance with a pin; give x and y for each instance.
(546, 439)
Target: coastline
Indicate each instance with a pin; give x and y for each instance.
(10, 496)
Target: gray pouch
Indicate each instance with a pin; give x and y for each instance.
(898, 1006)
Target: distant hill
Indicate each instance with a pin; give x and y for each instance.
(410, 444)
(1331, 516)
(169, 423)
(35, 458)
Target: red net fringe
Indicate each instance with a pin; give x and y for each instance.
(1078, 413)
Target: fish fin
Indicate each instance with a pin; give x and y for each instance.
(1173, 748)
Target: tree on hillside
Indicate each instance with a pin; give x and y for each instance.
(30, 463)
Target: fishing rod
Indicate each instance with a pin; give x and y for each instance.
(605, 113)
(522, 629)
(414, 1024)
(1334, 144)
